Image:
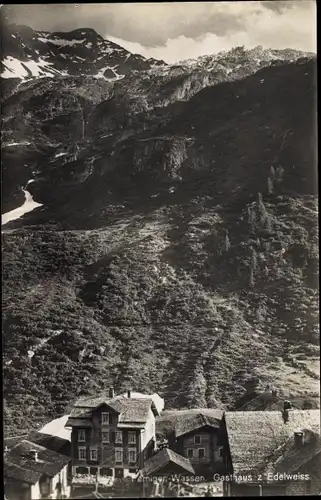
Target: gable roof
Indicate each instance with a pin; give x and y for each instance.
(171, 420)
(133, 410)
(291, 458)
(254, 435)
(195, 422)
(19, 463)
(164, 457)
(49, 442)
(57, 428)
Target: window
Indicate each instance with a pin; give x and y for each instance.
(105, 418)
(81, 435)
(220, 452)
(197, 439)
(45, 487)
(81, 470)
(190, 453)
(105, 436)
(118, 456)
(132, 437)
(105, 471)
(93, 454)
(201, 453)
(118, 437)
(132, 456)
(82, 453)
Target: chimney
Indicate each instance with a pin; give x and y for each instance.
(129, 393)
(111, 392)
(285, 415)
(34, 455)
(299, 439)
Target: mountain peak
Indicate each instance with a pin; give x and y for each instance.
(28, 54)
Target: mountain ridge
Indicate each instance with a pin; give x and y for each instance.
(29, 53)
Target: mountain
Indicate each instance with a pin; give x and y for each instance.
(27, 54)
(176, 247)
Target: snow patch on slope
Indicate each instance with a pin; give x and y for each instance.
(17, 213)
(60, 41)
(14, 68)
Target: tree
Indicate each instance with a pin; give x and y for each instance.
(261, 208)
(260, 312)
(251, 217)
(227, 244)
(253, 260)
(251, 279)
(279, 174)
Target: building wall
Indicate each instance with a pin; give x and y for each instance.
(35, 492)
(209, 442)
(149, 431)
(16, 490)
(63, 478)
(106, 451)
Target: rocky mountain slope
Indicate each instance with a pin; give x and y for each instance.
(176, 248)
(27, 54)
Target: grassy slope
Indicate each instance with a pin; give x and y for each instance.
(132, 313)
(188, 295)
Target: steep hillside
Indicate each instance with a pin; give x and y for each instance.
(176, 248)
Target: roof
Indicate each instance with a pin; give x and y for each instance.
(194, 422)
(162, 458)
(57, 428)
(157, 400)
(291, 458)
(12, 441)
(254, 435)
(19, 463)
(53, 443)
(133, 410)
(78, 422)
(86, 403)
(171, 421)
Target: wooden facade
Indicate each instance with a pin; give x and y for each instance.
(203, 448)
(107, 449)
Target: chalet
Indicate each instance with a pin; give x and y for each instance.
(270, 453)
(195, 435)
(34, 472)
(164, 473)
(112, 436)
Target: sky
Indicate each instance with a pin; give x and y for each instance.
(177, 31)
